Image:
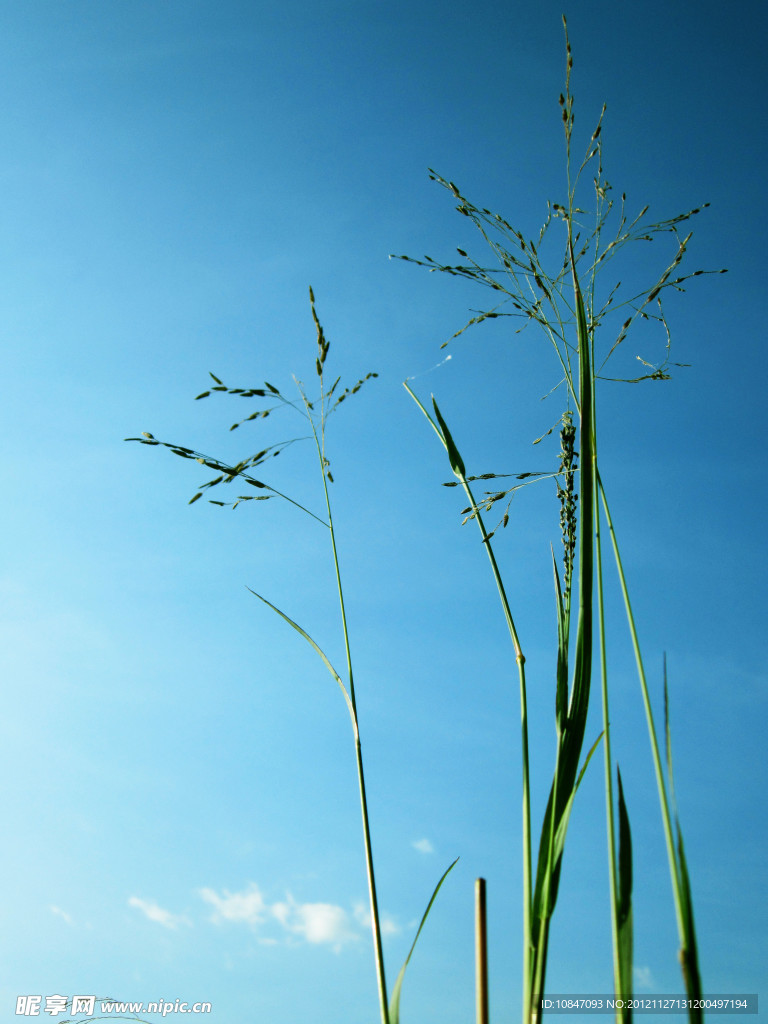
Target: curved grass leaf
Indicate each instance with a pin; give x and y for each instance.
(688, 954)
(625, 901)
(551, 853)
(562, 826)
(394, 1003)
(312, 643)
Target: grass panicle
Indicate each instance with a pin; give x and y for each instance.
(315, 415)
(556, 282)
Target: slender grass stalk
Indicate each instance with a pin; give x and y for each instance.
(677, 865)
(646, 705)
(572, 729)
(459, 471)
(373, 900)
(622, 968)
(609, 812)
(619, 873)
(538, 905)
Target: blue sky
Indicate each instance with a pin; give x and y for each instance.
(179, 798)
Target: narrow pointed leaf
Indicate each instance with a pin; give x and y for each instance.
(548, 871)
(562, 826)
(624, 909)
(312, 643)
(668, 739)
(689, 959)
(457, 463)
(394, 1003)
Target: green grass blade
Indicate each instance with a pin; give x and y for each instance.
(562, 826)
(624, 902)
(549, 863)
(579, 702)
(668, 741)
(457, 463)
(680, 884)
(312, 643)
(572, 738)
(540, 902)
(618, 933)
(688, 954)
(426, 414)
(394, 1003)
(550, 855)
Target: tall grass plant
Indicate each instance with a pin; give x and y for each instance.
(564, 293)
(315, 414)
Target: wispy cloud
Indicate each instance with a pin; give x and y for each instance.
(423, 846)
(61, 913)
(643, 977)
(322, 924)
(247, 906)
(156, 913)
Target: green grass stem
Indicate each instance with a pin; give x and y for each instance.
(539, 902)
(619, 980)
(373, 900)
(459, 471)
(571, 733)
(677, 865)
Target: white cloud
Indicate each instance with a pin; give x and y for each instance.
(324, 922)
(423, 846)
(248, 906)
(156, 913)
(61, 913)
(643, 977)
(318, 923)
